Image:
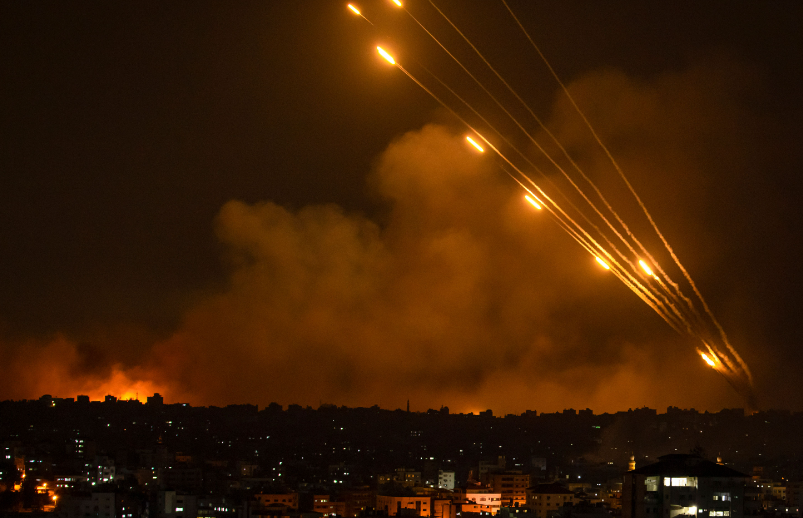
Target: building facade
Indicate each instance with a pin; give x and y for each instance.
(683, 486)
(445, 479)
(398, 505)
(511, 485)
(546, 499)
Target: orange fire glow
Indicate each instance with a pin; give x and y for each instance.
(123, 387)
(708, 360)
(356, 11)
(603, 263)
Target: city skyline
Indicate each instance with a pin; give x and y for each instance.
(244, 204)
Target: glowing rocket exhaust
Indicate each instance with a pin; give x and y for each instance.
(664, 296)
(358, 13)
(474, 143)
(385, 55)
(532, 201)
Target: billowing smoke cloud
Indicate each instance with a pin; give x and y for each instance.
(63, 368)
(462, 295)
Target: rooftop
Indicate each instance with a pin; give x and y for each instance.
(688, 465)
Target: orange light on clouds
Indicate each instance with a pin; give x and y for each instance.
(386, 55)
(532, 201)
(474, 143)
(603, 263)
(123, 386)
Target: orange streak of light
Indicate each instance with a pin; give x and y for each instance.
(386, 55)
(532, 201)
(646, 268)
(474, 143)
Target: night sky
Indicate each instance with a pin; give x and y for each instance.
(240, 202)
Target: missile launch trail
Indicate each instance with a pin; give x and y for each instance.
(657, 290)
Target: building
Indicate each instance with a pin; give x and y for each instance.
(358, 500)
(445, 479)
(217, 507)
(546, 499)
(443, 508)
(408, 477)
(289, 500)
(511, 485)
(491, 466)
(404, 505)
(516, 512)
(97, 505)
(479, 500)
(794, 492)
(683, 485)
(325, 505)
(339, 473)
(103, 470)
(189, 480)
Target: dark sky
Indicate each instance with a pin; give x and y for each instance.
(239, 202)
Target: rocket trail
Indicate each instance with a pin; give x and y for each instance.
(643, 207)
(741, 364)
(532, 201)
(643, 276)
(358, 13)
(667, 292)
(528, 161)
(474, 143)
(679, 320)
(392, 61)
(673, 317)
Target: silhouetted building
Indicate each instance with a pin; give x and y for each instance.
(404, 505)
(683, 485)
(546, 499)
